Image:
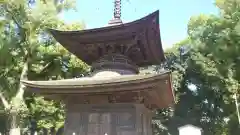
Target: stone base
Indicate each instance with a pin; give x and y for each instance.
(108, 119)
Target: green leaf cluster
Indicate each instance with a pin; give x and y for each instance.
(24, 40)
(207, 74)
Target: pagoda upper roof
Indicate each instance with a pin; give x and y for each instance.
(138, 40)
(157, 87)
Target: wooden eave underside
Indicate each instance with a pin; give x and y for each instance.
(156, 89)
(85, 44)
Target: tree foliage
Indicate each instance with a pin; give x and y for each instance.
(27, 51)
(205, 69)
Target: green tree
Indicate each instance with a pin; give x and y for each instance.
(211, 64)
(28, 52)
(218, 38)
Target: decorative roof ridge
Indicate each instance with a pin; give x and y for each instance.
(156, 13)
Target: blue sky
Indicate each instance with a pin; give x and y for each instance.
(174, 14)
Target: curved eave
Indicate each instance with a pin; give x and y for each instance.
(86, 82)
(125, 26)
(157, 86)
(74, 40)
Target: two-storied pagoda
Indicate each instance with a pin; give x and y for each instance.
(115, 99)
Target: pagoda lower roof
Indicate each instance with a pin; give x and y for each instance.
(157, 85)
(77, 85)
(138, 40)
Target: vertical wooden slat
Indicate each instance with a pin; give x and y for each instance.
(113, 123)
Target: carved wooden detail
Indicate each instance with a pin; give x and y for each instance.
(138, 40)
(114, 61)
(119, 119)
(139, 97)
(146, 98)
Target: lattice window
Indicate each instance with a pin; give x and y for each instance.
(99, 124)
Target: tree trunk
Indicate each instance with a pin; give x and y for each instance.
(21, 89)
(15, 131)
(16, 104)
(4, 101)
(14, 126)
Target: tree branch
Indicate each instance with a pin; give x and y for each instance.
(4, 101)
(25, 70)
(21, 29)
(23, 77)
